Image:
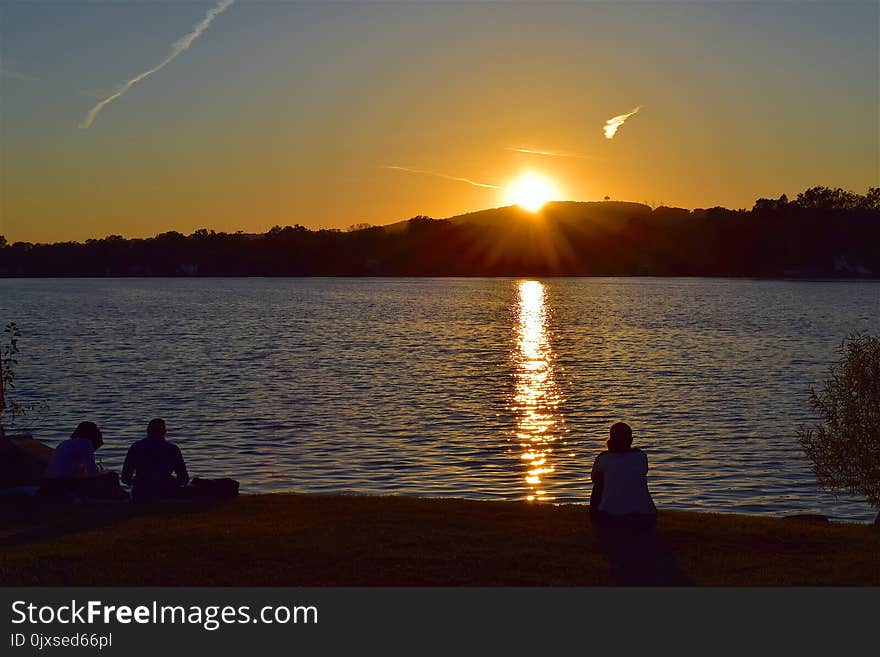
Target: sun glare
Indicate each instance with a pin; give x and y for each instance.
(531, 191)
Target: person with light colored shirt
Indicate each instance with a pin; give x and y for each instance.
(620, 496)
(74, 458)
(73, 472)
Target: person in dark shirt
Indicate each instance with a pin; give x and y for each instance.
(154, 467)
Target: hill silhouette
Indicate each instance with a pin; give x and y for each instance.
(568, 212)
(824, 232)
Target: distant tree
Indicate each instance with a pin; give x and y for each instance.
(763, 206)
(825, 198)
(420, 222)
(356, 227)
(844, 447)
(171, 235)
(838, 226)
(606, 198)
(815, 197)
(768, 205)
(3, 242)
(287, 232)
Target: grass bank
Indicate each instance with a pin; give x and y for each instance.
(317, 540)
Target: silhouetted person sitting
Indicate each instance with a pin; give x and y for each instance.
(625, 518)
(154, 467)
(72, 468)
(74, 458)
(620, 497)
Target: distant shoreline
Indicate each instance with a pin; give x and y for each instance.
(816, 279)
(825, 233)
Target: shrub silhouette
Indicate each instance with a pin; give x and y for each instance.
(844, 448)
(11, 408)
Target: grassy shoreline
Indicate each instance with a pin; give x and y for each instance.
(331, 540)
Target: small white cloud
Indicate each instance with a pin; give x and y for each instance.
(612, 124)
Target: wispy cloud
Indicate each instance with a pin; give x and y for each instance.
(178, 47)
(612, 124)
(441, 175)
(550, 153)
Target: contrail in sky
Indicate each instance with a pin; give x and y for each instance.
(538, 151)
(442, 175)
(612, 124)
(178, 47)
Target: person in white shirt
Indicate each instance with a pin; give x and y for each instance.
(74, 458)
(624, 516)
(73, 471)
(620, 496)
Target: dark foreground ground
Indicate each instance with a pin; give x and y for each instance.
(307, 540)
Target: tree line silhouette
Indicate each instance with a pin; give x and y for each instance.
(824, 232)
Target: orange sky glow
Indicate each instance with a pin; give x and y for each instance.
(328, 115)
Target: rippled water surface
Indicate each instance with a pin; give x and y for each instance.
(480, 388)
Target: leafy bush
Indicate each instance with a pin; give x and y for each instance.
(844, 447)
(10, 408)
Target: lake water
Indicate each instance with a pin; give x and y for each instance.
(478, 388)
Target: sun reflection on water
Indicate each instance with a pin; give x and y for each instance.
(537, 397)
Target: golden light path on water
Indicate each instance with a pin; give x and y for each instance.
(537, 397)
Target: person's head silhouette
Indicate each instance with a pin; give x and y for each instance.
(156, 428)
(89, 431)
(620, 438)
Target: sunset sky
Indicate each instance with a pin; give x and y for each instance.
(284, 112)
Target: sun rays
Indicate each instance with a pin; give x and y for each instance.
(531, 191)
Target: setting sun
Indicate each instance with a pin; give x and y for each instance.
(531, 191)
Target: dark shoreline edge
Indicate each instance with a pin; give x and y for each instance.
(750, 277)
